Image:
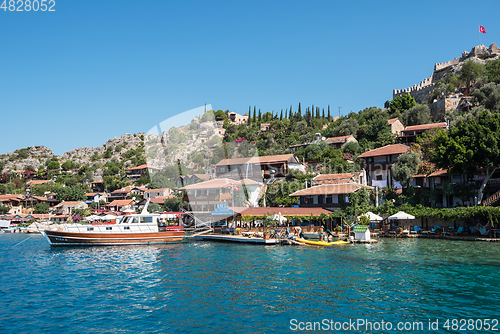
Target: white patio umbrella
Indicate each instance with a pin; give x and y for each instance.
(278, 217)
(108, 217)
(401, 216)
(373, 217)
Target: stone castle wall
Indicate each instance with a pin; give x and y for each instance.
(440, 66)
(422, 91)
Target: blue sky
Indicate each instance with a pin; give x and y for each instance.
(93, 70)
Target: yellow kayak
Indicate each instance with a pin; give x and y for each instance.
(322, 243)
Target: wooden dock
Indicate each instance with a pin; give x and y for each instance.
(234, 238)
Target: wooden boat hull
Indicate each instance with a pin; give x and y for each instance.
(322, 243)
(61, 238)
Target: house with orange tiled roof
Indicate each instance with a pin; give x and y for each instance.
(153, 193)
(396, 126)
(358, 177)
(410, 133)
(258, 168)
(121, 193)
(10, 200)
(341, 141)
(96, 197)
(205, 196)
(66, 207)
(327, 196)
(378, 162)
(160, 199)
(265, 127)
(134, 173)
(120, 205)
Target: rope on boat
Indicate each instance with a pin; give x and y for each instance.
(22, 241)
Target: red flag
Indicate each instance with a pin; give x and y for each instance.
(482, 29)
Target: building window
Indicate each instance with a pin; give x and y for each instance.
(379, 177)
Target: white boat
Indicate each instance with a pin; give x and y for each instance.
(134, 229)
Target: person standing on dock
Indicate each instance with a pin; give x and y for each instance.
(320, 233)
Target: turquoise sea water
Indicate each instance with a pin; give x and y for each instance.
(211, 287)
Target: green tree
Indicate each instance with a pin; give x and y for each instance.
(67, 165)
(71, 193)
(470, 146)
(419, 114)
(41, 207)
(405, 167)
(172, 204)
(347, 127)
(153, 207)
(493, 71)
(53, 165)
(488, 96)
(470, 72)
(220, 114)
(402, 103)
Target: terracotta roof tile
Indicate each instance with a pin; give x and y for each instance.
(216, 183)
(425, 127)
(256, 160)
(330, 189)
(439, 172)
(143, 167)
(386, 150)
(335, 176)
(259, 211)
(392, 120)
(340, 139)
(121, 202)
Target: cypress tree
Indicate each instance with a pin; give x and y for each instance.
(249, 121)
(290, 115)
(260, 116)
(323, 113)
(299, 113)
(329, 117)
(312, 111)
(281, 115)
(254, 116)
(317, 112)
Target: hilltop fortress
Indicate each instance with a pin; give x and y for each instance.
(422, 91)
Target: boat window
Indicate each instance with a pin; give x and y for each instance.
(126, 227)
(90, 228)
(109, 228)
(146, 219)
(125, 220)
(133, 220)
